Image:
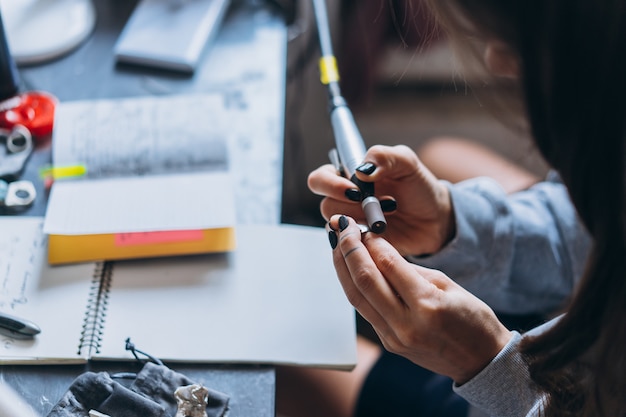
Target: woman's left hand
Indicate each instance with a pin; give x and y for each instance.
(417, 312)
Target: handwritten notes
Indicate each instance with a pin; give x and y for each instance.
(142, 135)
(153, 164)
(22, 245)
(53, 298)
(22, 251)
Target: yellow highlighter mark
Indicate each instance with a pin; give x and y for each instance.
(60, 172)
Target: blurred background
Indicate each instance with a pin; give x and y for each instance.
(397, 73)
(399, 76)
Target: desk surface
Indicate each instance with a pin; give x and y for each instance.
(251, 389)
(246, 64)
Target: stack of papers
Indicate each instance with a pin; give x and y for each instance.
(156, 179)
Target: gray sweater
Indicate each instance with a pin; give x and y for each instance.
(522, 254)
(504, 387)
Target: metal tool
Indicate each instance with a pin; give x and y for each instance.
(16, 146)
(16, 195)
(350, 148)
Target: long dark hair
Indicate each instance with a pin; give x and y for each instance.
(572, 57)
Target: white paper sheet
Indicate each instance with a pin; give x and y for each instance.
(153, 164)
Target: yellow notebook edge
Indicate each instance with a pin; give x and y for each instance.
(64, 249)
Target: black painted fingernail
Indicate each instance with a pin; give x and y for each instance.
(332, 238)
(343, 223)
(353, 194)
(388, 205)
(366, 168)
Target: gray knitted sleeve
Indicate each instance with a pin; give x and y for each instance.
(521, 253)
(504, 387)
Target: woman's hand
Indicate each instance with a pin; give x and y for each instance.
(417, 312)
(421, 220)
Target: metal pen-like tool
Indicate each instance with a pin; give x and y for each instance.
(347, 157)
(350, 148)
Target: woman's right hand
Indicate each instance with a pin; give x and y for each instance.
(423, 220)
(417, 312)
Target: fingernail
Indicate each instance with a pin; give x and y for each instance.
(332, 238)
(366, 168)
(343, 223)
(388, 205)
(353, 194)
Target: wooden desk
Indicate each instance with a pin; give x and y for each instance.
(247, 65)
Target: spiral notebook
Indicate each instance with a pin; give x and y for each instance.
(274, 300)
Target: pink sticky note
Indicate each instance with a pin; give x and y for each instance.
(147, 238)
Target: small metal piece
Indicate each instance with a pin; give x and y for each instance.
(333, 155)
(19, 140)
(17, 195)
(374, 214)
(18, 146)
(192, 400)
(96, 413)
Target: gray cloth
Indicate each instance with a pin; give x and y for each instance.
(150, 394)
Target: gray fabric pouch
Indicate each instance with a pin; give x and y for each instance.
(149, 394)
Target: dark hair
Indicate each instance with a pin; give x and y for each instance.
(572, 57)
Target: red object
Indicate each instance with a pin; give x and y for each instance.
(33, 110)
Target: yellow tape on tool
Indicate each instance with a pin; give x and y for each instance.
(328, 70)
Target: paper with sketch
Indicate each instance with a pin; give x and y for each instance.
(153, 164)
(142, 136)
(21, 241)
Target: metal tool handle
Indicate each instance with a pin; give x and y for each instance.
(348, 141)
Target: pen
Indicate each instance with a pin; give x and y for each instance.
(17, 327)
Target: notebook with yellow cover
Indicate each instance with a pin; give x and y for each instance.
(156, 179)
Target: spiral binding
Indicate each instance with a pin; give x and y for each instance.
(93, 323)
